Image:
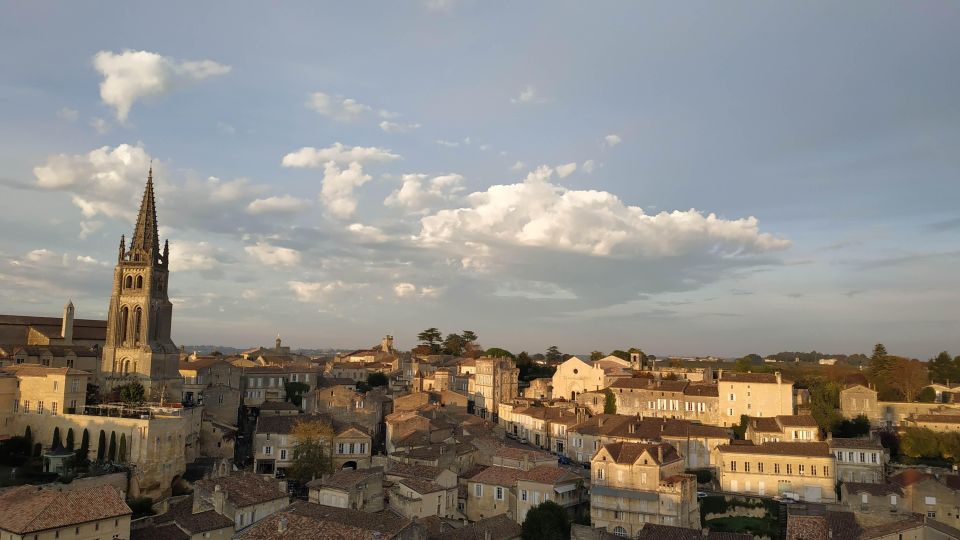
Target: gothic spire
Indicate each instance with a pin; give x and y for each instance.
(145, 237)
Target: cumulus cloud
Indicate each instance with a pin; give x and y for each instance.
(418, 193)
(101, 126)
(318, 291)
(367, 233)
(286, 204)
(309, 157)
(337, 192)
(588, 166)
(448, 144)
(612, 140)
(186, 256)
(90, 227)
(133, 75)
(537, 213)
(566, 169)
(68, 115)
(337, 107)
(527, 95)
(518, 166)
(394, 127)
(273, 255)
(409, 290)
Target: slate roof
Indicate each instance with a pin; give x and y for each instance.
(243, 488)
(803, 449)
(30, 509)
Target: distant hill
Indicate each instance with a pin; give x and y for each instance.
(207, 349)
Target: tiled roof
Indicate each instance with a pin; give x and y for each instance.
(804, 449)
(546, 474)
(244, 489)
(182, 513)
(345, 479)
(422, 486)
(498, 476)
(499, 527)
(405, 470)
(704, 390)
(283, 424)
(951, 532)
(652, 531)
(631, 382)
(278, 406)
(27, 509)
(627, 452)
(877, 490)
(159, 531)
(510, 452)
(838, 442)
(806, 527)
(909, 477)
(759, 378)
(33, 370)
(797, 420)
(667, 385)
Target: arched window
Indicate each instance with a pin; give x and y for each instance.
(137, 321)
(620, 531)
(124, 319)
(126, 366)
(139, 282)
(129, 283)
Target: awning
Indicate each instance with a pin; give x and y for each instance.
(565, 489)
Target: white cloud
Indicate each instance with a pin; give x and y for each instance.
(439, 5)
(273, 255)
(518, 166)
(132, 75)
(527, 95)
(309, 157)
(367, 233)
(417, 193)
(86, 259)
(612, 140)
(448, 144)
(187, 256)
(393, 127)
(101, 126)
(538, 213)
(409, 290)
(68, 115)
(566, 169)
(286, 204)
(43, 256)
(588, 166)
(318, 291)
(338, 187)
(89, 227)
(337, 107)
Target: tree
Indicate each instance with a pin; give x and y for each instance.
(623, 355)
(609, 402)
(377, 379)
(553, 354)
(454, 344)
(497, 352)
(295, 391)
(907, 377)
(83, 454)
(927, 395)
(944, 369)
(824, 404)
(102, 446)
(595, 355)
(523, 359)
(546, 521)
(70, 439)
(857, 427)
(57, 442)
(313, 451)
(468, 336)
(740, 431)
(93, 395)
(112, 451)
(431, 337)
(131, 393)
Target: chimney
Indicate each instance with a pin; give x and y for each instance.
(660, 453)
(66, 330)
(705, 532)
(779, 378)
(219, 499)
(282, 524)
(283, 486)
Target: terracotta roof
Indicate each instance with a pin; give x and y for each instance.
(807, 528)
(182, 513)
(667, 385)
(759, 378)
(405, 470)
(909, 477)
(804, 449)
(159, 531)
(546, 474)
(28, 509)
(628, 452)
(877, 490)
(631, 382)
(652, 531)
(422, 486)
(346, 479)
(511, 452)
(203, 363)
(951, 532)
(33, 370)
(499, 527)
(244, 489)
(797, 420)
(54, 350)
(498, 476)
(704, 390)
(838, 442)
(283, 424)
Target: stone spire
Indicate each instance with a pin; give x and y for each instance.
(146, 239)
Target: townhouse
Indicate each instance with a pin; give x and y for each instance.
(354, 489)
(859, 460)
(936, 496)
(244, 498)
(32, 512)
(753, 394)
(273, 443)
(796, 470)
(782, 428)
(504, 490)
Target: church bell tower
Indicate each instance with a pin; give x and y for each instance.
(138, 345)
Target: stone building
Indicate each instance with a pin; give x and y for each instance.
(214, 383)
(80, 358)
(268, 383)
(859, 460)
(798, 470)
(138, 345)
(936, 422)
(936, 496)
(354, 489)
(46, 331)
(496, 382)
(635, 483)
(415, 498)
(504, 490)
(273, 443)
(753, 394)
(783, 428)
(875, 498)
(860, 399)
(31, 512)
(698, 402)
(244, 498)
(308, 520)
(347, 404)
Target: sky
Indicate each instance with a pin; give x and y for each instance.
(688, 178)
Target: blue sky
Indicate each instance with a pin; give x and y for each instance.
(540, 173)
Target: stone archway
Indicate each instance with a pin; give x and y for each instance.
(349, 466)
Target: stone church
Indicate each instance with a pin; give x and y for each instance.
(138, 345)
